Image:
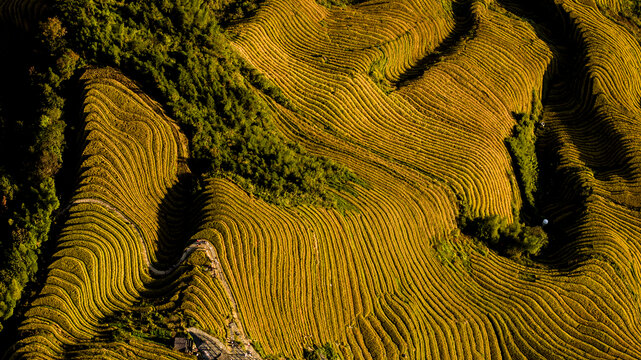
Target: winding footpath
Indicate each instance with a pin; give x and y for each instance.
(235, 331)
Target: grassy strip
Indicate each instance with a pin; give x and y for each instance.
(523, 151)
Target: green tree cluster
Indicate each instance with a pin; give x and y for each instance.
(35, 138)
(513, 239)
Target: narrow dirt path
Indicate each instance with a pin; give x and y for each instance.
(235, 326)
(235, 329)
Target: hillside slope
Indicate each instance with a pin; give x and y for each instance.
(375, 277)
(416, 98)
(124, 207)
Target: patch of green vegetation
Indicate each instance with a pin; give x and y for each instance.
(377, 74)
(180, 54)
(445, 252)
(631, 7)
(513, 239)
(198, 258)
(454, 251)
(234, 11)
(325, 352)
(31, 130)
(447, 6)
(527, 276)
(149, 325)
(158, 321)
(523, 151)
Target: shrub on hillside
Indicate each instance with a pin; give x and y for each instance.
(508, 238)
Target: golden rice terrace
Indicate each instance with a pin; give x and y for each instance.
(331, 179)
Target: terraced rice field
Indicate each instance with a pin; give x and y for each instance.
(131, 161)
(370, 281)
(390, 277)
